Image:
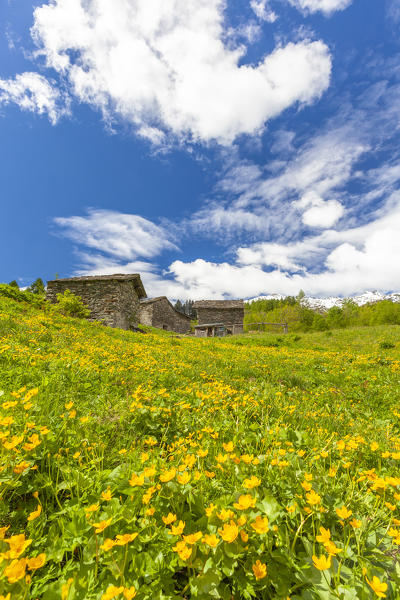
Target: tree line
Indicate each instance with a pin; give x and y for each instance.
(294, 312)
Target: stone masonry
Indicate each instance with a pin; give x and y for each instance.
(228, 312)
(159, 312)
(112, 299)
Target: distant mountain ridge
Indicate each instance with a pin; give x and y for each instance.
(326, 303)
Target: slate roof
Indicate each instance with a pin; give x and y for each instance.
(135, 277)
(220, 304)
(152, 300)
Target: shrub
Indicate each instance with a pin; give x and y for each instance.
(386, 345)
(72, 306)
(10, 291)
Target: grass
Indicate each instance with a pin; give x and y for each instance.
(151, 466)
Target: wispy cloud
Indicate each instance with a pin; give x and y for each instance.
(327, 7)
(34, 93)
(263, 11)
(116, 235)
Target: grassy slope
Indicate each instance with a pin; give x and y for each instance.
(280, 399)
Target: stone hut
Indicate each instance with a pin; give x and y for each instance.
(226, 312)
(159, 312)
(112, 299)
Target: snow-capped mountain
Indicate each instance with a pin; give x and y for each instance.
(326, 303)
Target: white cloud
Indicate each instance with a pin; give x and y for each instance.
(368, 260)
(272, 201)
(324, 214)
(327, 7)
(319, 213)
(332, 263)
(34, 93)
(262, 11)
(121, 236)
(162, 65)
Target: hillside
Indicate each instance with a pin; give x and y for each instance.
(159, 467)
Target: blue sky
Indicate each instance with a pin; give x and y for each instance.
(219, 148)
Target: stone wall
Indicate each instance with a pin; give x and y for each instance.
(114, 302)
(159, 312)
(227, 316)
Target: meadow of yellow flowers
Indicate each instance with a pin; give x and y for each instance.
(158, 467)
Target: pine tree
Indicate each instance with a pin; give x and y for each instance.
(37, 287)
(179, 306)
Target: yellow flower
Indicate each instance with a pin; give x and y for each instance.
(331, 548)
(202, 453)
(136, 480)
(244, 536)
(184, 478)
(122, 539)
(170, 518)
(245, 501)
(130, 593)
(343, 512)
(209, 474)
(168, 475)
(14, 441)
(90, 509)
(210, 509)
(251, 482)
(355, 523)
(112, 592)
(378, 587)
(306, 486)
(193, 537)
(211, 540)
(37, 562)
(184, 552)
(107, 495)
(260, 525)
(259, 570)
(325, 535)
(65, 589)
(107, 545)
(229, 532)
(3, 531)
(332, 472)
(228, 447)
(177, 529)
(36, 513)
(322, 563)
(374, 446)
(101, 525)
(15, 570)
(225, 515)
(21, 467)
(149, 471)
(18, 544)
(313, 498)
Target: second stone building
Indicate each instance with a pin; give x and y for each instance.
(159, 312)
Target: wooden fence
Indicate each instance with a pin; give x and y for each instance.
(285, 326)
